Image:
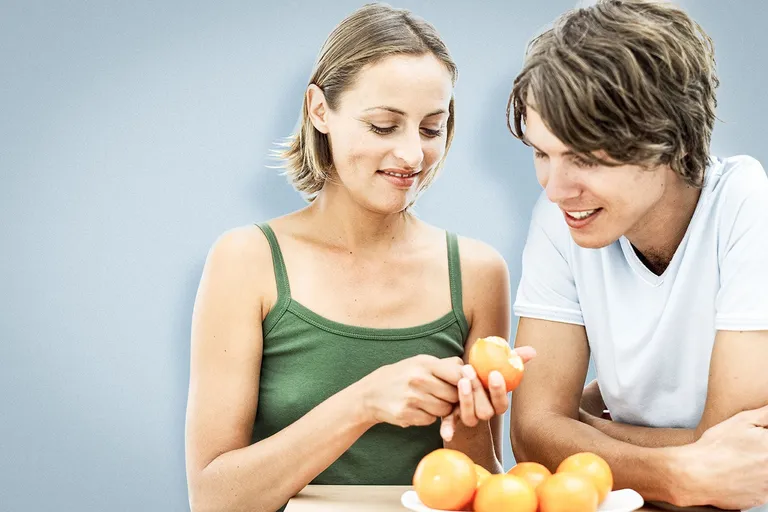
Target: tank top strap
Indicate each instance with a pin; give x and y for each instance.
(454, 273)
(281, 276)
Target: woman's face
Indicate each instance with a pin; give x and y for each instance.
(388, 132)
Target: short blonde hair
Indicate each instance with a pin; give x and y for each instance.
(633, 78)
(369, 34)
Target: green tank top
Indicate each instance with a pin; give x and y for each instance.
(308, 358)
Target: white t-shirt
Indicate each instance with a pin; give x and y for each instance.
(650, 336)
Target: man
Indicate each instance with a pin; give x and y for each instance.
(645, 252)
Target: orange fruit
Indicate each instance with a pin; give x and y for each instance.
(445, 479)
(482, 474)
(532, 472)
(505, 493)
(592, 466)
(494, 353)
(567, 492)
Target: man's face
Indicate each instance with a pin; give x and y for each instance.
(599, 203)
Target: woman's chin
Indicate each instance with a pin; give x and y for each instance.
(391, 205)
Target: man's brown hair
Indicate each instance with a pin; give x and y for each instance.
(634, 79)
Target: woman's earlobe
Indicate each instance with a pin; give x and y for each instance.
(317, 108)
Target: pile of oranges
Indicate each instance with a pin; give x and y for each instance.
(449, 480)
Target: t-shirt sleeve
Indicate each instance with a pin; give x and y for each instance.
(742, 302)
(547, 290)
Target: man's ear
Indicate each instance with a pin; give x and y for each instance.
(317, 108)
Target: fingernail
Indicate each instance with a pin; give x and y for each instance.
(497, 379)
(468, 371)
(446, 432)
(465, 387)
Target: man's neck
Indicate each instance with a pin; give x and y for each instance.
(659, 234)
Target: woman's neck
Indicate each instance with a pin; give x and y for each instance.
(346, 224)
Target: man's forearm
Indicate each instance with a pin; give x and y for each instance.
(640, 436)
(655, 473)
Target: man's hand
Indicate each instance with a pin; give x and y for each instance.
(728, 465)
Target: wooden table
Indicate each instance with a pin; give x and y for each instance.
(349, 498)
(360, 498)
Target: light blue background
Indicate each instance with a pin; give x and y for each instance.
(133, 133)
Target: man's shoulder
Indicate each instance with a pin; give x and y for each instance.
(736, 178)
(737, 193)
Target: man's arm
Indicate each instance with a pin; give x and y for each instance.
(545, 424)
(735, 384)
(591, 412)
(648, 437)
(738, 380)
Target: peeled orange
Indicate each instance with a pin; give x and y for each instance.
(494, 353)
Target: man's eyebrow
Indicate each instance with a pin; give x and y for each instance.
(534, 146)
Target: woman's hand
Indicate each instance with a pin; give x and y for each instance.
(475, 402)
(412, 392)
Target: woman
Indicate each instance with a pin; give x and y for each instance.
(326, 343)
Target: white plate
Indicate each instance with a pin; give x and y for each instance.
(625, 500)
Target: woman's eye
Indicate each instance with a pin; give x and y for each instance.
(432, 133)
(382, 130)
